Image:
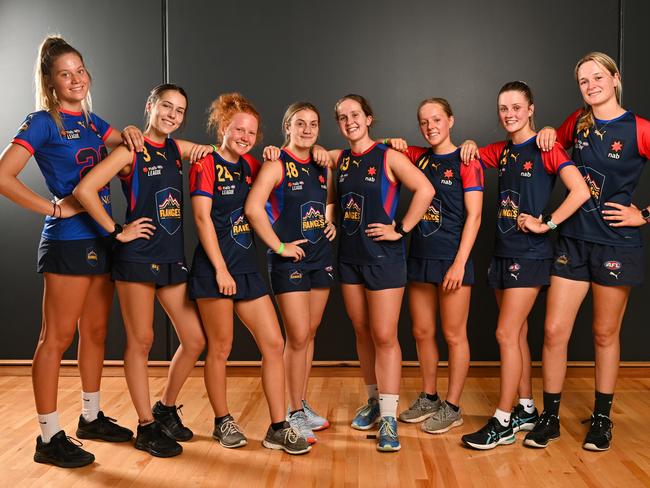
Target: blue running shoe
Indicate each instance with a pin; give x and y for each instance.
(388, 440)
(367, 416)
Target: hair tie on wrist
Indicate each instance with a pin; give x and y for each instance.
(280, 249)
(53, 209)
(214, 147)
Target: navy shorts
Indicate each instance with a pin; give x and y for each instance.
(434, 270)
(249, 287)
(519, 273)
(374, 276)
(78, 257)
(162, 274)
(287, 280)
(580, 260)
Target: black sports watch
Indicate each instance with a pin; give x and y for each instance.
(548, 220)
(118, 230)
(399, 228)
(645, 213)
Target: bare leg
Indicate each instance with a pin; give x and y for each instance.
(354, 297)
(423, 300)
(317, 301)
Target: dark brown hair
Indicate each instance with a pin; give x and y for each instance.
(155, 95)
(524, 89)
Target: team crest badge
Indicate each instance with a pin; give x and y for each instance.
(508, 210)
(168, 205)
(352, 211)
(432, 219)
(312, 221)
(240, 230)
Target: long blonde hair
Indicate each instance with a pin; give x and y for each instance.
(586, 120)
(48, 52)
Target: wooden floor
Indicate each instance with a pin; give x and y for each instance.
(342, 456)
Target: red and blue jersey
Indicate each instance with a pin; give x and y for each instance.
(296, 209)
(64, 157)
(366, 195)
(154, 189)
(439, 231)
(611, 156)
(228, 185)
(526, 179)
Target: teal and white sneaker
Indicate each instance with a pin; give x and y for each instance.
(522, 420)
(388, 440)
(314, 421)
(298, 421)
(490, 436)
(421, 409)
(366, 416)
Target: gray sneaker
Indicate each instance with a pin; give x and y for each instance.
(228, 433)
(287, 439)
(444, 419)
(299, 422)
(421, 409)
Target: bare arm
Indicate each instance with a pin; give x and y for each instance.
(191, 151)
(330, 208)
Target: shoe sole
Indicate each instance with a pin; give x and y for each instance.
(532, 443)
(367, 427)
(242, 443)
(316, 428)
(158, 453)
(82, 435)
(455, 423)
(528, 426)
(175, 437)
(416, 420)
(46, 460)
(388, 448)
(280, 447)
(593, 447)
(485, 447)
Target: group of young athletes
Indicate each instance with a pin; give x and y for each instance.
(297, 202)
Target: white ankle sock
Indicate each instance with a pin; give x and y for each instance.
(372, 391)
(528, 404)
(502, 417)
(89, 405)
(49, 425)
(388, 405)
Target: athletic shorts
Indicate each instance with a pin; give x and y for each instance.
(519, 273)
(162, 274)
(605, 265)
(287, 280)
(249, 287)
(78, 257)
(374, 276)
(434, 270)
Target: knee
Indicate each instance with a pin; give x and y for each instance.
(422, 332)
(299, 340)
(605, 336)
(385, 339)
(95, 335)
(274, 346)
(194, 345)
(456, 338)
(58, 341)
(140, 344)
(555, 335)
(219, 350)
(506, 338)
(362, 331)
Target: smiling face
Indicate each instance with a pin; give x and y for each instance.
(597, 84)
(302, 129)
(352, 120)
(514, 111)
(240, 135)
(435, 124)
(69, 80)
(166, 114)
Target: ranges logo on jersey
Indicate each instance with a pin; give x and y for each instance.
(432, 219)
(240, 229)
(527, 169)
(448, 176)
(312, 221)
(168, 205)
(615, 149)
(508, 210)
(352, 211)
(595, 181)
(370, 175)
(91, 256)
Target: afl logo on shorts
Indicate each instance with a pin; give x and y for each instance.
(612, 265)
(91, 256)
(240, 230)
(312, 221)
(514, 267)
(168, 205)
(352, 211)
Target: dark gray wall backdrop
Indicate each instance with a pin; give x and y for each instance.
(395, 54)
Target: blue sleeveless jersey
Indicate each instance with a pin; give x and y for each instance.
(64, 157)
(154, 189)
(366, 196)
(296, 209)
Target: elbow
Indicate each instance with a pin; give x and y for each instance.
(583, 194)
(79, 193)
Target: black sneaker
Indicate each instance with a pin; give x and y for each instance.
(170, 422)
(490, 436)
(521, 420)
(62, 451)
(546, 429)
(103, 428)
(600, 433)
(152, 439)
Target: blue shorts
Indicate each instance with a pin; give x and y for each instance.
(605, 265)
(249, 287)
(519, 273)
(162, 274)
(374, 276)
(78, 257)
(434, 270)
(287, 280)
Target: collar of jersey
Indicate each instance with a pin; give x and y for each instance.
(296, 158)
(70, 112)
(154, 144)
(527, 141)
(364, 152)
(612, 120)
(221, 159)
(447, 155)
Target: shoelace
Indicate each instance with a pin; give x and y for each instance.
(291, 435)
(443, 413)
(230, 427)
(491, 426)
(386, 429)
(72, 445)
(600, 421)
(104, 417)
(364, 410)
(300, 422)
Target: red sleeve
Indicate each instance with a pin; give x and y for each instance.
(414, 152)
(643, 136)
(568, 128)
(472, 176)
(490, 154)
(202, 177)
(253, 164)
(555, 159)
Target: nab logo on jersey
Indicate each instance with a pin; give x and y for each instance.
(370, 175)
(432, 219)
(240, 230)
(508, 210)
(615, 149)
(312, 221)
(168, 204)
(352, 206)
(447, 177)
(526, 169)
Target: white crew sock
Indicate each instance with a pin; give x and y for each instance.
(388, 405)
(372, 391)
(528, 404)
(502, 417)
(89, 405)
(49, 425)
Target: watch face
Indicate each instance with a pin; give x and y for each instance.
(645, 213)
